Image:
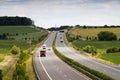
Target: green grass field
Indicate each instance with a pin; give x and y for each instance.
(23, 32)
(97, 44)
(100, 45)
(101, 49)
(6, 45)
(112, 57)
(17, 29)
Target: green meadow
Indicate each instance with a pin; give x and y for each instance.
(25, 34)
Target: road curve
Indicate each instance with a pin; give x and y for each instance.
(51, 67)
(104, 68)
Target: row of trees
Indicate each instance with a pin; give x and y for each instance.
(113, 50)
(60, 28)
(3, 36)
(6, 21)
(105, 26)
(20, 71)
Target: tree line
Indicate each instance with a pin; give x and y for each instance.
(6, 21)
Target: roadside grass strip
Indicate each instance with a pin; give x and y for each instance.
(5, 65)
(95, 75)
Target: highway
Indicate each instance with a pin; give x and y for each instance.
(91, 63)
(51, 67)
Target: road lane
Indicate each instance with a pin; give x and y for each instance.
(54, 68)
(108, 70)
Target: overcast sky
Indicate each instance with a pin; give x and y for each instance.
(47, 13)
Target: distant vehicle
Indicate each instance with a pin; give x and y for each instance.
(61, 41)
(44, 45)
(60, 37)
(61, 31)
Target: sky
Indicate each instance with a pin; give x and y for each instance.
(50, 13)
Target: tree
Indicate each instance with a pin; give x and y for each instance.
(1, 75)
(106, 36)
(90, 49)
(15, 50)
(6, 21)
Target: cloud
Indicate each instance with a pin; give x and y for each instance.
(50, 12)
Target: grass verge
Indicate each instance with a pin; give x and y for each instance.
(29, 69)
(9, 74)
(112, 57)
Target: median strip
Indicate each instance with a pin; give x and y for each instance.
(81, 68)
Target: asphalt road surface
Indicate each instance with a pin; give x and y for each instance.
(93, 64)
(51, 67)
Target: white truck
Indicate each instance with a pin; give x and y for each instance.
(43, 51)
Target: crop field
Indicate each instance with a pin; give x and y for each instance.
(94, 31)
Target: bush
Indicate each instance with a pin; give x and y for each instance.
(15, 50)
(106, 36)
(1, 75)
(90, 49)
(19, 73)
(69, 38)
(112, 50)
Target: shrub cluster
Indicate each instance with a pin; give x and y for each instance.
(20, 71)
(107, 36)
(90, 49)
(1, 75)
(69, 38)
(113, 50)
(15, 50)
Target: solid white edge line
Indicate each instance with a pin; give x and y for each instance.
(45, 69)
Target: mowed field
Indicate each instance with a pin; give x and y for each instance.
(17, 29)
(100, 45)
(94, 31)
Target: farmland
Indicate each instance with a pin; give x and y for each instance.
(94, 31)
(22, 40)
(17, 29)
(100, 45)
(24, 37)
